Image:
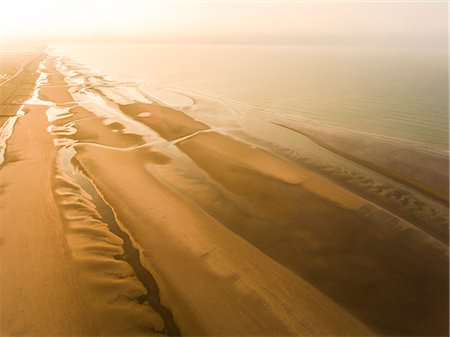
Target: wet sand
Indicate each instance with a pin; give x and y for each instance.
(305, 222)
(231, 239)
(424, 170)
(58, 271)
(17, 85)
(428, 171)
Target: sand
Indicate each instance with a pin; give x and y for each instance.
(423, 169)
(58, 273)
(168, 122)
(257, 178)
(228, 238)
(42, 280)
(18, 86)
(215, 283)
(149, 199)
(12, 63)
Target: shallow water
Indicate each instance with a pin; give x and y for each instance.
(400, 93)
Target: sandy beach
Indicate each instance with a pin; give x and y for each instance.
(123, 216)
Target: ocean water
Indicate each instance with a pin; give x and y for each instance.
(398, 93)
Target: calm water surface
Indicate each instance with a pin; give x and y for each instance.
(400, 93)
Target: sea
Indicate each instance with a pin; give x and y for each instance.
(398, 93)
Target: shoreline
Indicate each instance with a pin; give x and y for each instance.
(439, 194)
(149, 114)
(239, 240)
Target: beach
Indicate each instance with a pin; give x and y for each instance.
(123, 215)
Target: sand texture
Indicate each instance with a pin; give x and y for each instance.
(126, 217)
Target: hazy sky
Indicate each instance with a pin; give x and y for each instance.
(230, 21)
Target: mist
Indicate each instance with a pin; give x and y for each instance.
(249, 22)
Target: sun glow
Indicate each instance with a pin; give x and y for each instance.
(249, 20)
(72, 18)
(22, 18)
